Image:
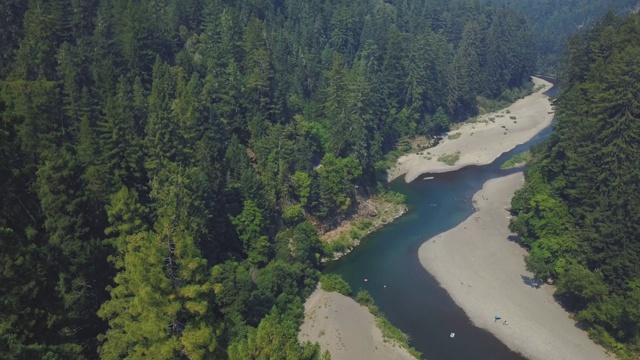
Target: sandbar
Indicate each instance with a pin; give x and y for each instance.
(346, 329)
(481, 142)
(484, 272)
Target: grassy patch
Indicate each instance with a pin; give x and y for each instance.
(390, 159)
(335, 283)
(340, 244)
(389, 332)
(454, 136)
(450, 159)
(363, 224)
(515, 160)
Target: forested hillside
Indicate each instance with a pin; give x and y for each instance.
(555, 21)
(579, 211)
(162, 162)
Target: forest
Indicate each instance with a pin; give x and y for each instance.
(555, 21)
(579, 211)
(165, 165)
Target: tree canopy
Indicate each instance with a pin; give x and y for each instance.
(164, 164)
(579, 211)
(555, 21)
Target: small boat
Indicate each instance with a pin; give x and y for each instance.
(452, 335)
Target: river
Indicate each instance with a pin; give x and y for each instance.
(405, 292)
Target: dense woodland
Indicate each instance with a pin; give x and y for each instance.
(555, 21)
(579, 211)
(164, 164)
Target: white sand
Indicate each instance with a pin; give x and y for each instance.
(345, 328)
(481, 143)
(482, 271)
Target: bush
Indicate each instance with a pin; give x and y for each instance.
(387, 195)
(339, 245)
(355, 233)
(512, 117)
(454, 136)
(292, 213)
(363, 224)
(450, 159)
(335, 283)
(364, 298)
(516, 160)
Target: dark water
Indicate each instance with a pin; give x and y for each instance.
(409, 296)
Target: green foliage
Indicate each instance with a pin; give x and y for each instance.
(449, 159)
(579, 208)
(250, 227)
(454, 136)
(362, 224)
(275, 338)
(159, 159)
(364, 298)
(508, 97)
(335, 283)
(391, 157)
(177, 297)
(299, 244)
(516, 160)
(335, 176)
(341, 244)
(302, 184)
(391, 196)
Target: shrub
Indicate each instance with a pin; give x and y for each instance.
(363, 224)
(454, 136)
(364, 298)
(339, 245)
(391, 196)
(335, 283)
(516, 160)
(292, 213)
(450, 159)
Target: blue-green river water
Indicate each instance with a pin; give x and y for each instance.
(405, 292)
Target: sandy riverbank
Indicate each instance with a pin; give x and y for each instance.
(483, 141)
(485, 275)
(346, 328)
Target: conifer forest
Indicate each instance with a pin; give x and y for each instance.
(165, 165)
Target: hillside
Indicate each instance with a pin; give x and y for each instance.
(162, 162)
(555, 21)
(579, 211)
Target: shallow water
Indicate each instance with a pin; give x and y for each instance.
(408, 295)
